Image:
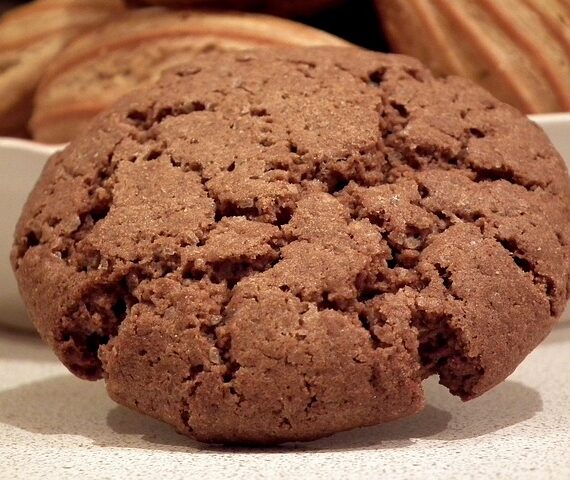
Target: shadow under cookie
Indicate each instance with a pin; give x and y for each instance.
(22, 345)
(64, 405)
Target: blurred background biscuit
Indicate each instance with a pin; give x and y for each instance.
(517, 49)
(30, 36)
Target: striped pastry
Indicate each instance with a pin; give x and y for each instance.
(97, 68)
(277, 7)
(517, 49)
(30, 36)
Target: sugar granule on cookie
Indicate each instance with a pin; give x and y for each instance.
(279, 245)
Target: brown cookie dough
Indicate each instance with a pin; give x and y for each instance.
(277, 7)
(279, 245)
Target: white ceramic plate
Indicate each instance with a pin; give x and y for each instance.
(21, 163)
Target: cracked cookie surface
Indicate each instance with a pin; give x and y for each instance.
(279, 245)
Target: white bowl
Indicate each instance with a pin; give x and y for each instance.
(557, 127)
(21, 163)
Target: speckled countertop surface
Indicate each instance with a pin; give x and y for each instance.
(53, 425)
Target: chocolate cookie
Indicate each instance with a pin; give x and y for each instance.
(278, 245)
(102, 65)
(277, 7)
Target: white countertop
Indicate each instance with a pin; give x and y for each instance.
(53, 425)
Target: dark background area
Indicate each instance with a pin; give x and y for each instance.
(6, 4)
(356, 21)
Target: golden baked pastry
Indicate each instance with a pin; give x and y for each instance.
(30, 36)
(102, 65)
(517, 49)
